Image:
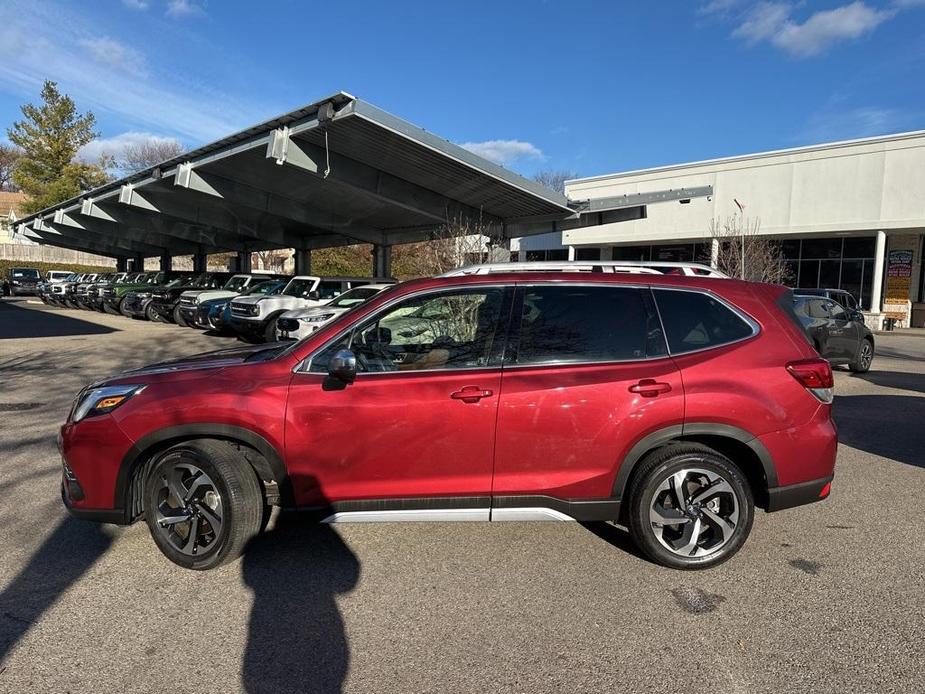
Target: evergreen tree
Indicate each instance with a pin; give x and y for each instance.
(49, 136)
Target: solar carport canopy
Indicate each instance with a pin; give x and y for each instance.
(337, 172)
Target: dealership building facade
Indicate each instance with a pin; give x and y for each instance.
(848, 215)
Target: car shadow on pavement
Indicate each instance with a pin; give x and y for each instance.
(64, 557)
(886, 425)
(296, 638)
(19, 322)
(895, 379)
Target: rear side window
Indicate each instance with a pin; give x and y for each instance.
(329, 290)
(587, 324)
(694, 320)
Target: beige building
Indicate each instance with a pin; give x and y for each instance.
(10, 211)
(849, 214)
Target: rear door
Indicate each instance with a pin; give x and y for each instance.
(844, 332)
(586, 375)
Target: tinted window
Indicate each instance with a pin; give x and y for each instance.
(836, 311)
(817, 308)
(447, 330)
(694, 320)
(586, 324)
(329, 290)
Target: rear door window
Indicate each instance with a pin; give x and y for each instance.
(330, 290)
(568, 323)
(697, 320)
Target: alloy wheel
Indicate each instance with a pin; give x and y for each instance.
(189, 512)
(694, 512)
(867, 355)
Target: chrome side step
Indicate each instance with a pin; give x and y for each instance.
(449, 514)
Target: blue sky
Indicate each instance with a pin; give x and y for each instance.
(589, 87)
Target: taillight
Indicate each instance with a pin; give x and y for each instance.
(816, 376)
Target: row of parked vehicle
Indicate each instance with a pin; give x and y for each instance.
(264, 307)
(257, 306)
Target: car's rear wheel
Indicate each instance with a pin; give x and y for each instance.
(689, 507)
(203, 503)
(153, 315)
(178, 317)
(123, 309)
(864, 358)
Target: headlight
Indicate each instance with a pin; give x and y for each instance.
(254, 310)
(320, 318)
(102, 400)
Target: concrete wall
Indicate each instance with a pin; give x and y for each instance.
(50, 254)
(858, 186)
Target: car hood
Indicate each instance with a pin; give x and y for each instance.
(197, 362)
(210, 294)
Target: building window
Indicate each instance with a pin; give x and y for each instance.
(835, 263)
(587, 254)
(551, 254)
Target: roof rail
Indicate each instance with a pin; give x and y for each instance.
(638, 267)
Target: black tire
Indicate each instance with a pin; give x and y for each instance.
(153, 315)
(232, 498)
(864, 358)
(711, 545)
(122, 308)
(178, 317)
(269, 332)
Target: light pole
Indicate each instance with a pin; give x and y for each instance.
(741, 207)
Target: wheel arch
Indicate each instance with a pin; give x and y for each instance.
(737, 444)
(261, 454)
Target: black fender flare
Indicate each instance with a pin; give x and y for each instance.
(185, 432)
(679, 432)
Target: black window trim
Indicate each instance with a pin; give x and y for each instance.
(751, 322)
(504, 324)
(517, 316)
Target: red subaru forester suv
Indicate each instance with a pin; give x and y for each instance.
(672, 405)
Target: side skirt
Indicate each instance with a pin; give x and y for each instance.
(502, 508)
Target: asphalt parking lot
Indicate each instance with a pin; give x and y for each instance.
(826, 598)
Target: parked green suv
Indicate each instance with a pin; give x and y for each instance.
(112, 295)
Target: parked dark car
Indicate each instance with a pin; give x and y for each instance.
(24, 280)
(842, 297)
(165, 301)
(837, 333)
(137, 301)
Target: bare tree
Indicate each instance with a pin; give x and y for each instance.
(273, 259)
(459, 241)
(744, 253)
(148, 153)
(554, 179)
(9, 155)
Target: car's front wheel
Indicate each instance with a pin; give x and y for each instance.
(689, 507)
(203, 503)
(153, 315)
(178, 317)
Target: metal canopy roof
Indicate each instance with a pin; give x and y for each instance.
(337, 172)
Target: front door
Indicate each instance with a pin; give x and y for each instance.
(844, 333)
(586, 375)
(419, 420)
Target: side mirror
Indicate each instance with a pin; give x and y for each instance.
(343, 366)
(314, 296)
(856, 316)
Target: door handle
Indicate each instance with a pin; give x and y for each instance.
(470, 394)
(650, 388)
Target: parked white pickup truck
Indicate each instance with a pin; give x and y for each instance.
(254, 317)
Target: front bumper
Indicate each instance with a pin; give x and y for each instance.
(92, 452)
(135, 306)
(243, 326)
(164, 310)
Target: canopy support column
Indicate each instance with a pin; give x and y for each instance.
(166, 262)
(303, 261)
(382, 260)
(138, 263)
(244, 262)
(200, 260)
(121, 264)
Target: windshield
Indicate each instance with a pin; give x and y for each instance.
(300, 287)
(235, 283)
(353, 297)
(267, 288)
(26, 274)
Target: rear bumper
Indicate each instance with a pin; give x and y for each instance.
(800, 494)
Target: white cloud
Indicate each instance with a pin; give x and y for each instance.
(41, 41)
(112, 53)
(181, 8)
(136, 4)
(835, 122)
(718, 7)
(115, 146)
(504, 152)
(772, 22)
